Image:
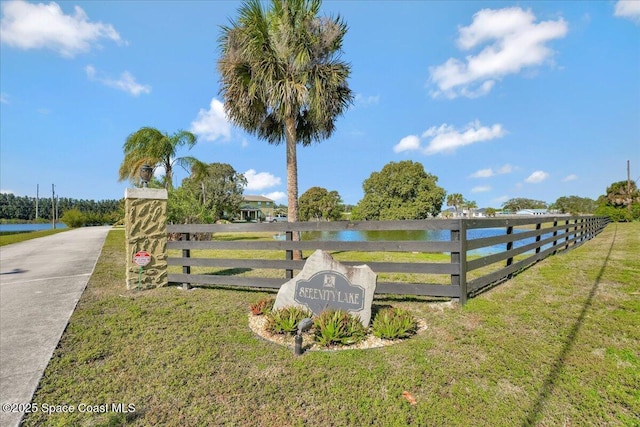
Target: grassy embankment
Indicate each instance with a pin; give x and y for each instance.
(557, 345)
(7, 239)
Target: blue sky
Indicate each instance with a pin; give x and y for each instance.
(497, 99)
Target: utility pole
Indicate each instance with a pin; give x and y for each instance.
(53, 206)
(629, 186)
(37, 197)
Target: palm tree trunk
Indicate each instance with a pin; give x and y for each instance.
(292, 179)
(168, 176)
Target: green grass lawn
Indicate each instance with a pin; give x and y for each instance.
(558, 345)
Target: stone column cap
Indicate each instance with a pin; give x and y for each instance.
(145, 193)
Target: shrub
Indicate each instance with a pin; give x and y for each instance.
(338, 327)
(262, 307)
(394, 323)
(285, 320)
(73, 218)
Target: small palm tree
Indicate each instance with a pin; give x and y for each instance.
(470, 205)
(282, 78)
(150, 146)
(455, 200)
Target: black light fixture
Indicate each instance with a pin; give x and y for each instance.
(146, 172)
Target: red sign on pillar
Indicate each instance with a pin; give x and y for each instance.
(142, 258)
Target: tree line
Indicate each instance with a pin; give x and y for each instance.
(401, 190)
(23, 208)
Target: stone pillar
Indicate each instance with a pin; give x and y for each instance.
(146, 230)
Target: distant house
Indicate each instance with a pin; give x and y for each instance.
(256, 208)
(533, 212)
(480, 213)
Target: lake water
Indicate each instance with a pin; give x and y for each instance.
(23, 228)
(416, 235)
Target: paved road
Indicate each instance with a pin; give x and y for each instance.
(41, 281)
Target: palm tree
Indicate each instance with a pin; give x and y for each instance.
(150, 146)
(470, 205)
(282, 78)
(455, 200)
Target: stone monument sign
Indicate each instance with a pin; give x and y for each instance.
(324, 283)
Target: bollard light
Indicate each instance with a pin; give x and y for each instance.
(304, 324)
(146, 172)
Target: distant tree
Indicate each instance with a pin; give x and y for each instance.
(514, 205)
(218, 188)
(401, 190)
(491, 211)
(150, 146)
(183, 207)
(622, 194)
(282, 77)
(575, 205)
(455, 200)
(621, 202)
(319, 203)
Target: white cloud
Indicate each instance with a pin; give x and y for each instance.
(260, 180)
(213, 123)
(481, 189)
(45, 26)
(505, 169)
(447, 139)
(276, 196)
(365, 101)
(488, 173)
(483, 173)
(536, 177)
(411, 142)
(126, 82)
(512, 40)
(629, 9)
(4, 191)
(571, 177)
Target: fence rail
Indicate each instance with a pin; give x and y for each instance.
(525, 241)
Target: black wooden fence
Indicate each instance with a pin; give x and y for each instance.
(524, 241)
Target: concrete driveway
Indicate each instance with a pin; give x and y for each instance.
(41, 281)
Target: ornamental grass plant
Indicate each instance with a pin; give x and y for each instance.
(285, 320)
(337, 327)
(393, 323)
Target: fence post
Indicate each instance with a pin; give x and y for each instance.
(575, 231)
(186, 253)
(555, 233)
(509, 247)
(460, 258)
(289, 254)
(566, 235)
(538, 237)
